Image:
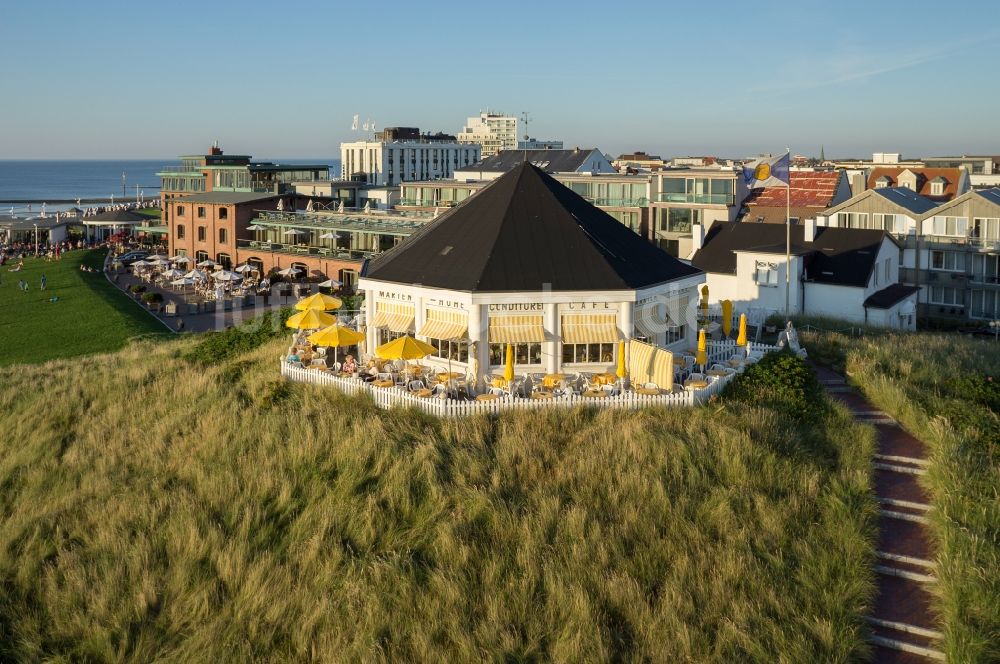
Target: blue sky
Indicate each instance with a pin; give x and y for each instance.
(152, 80)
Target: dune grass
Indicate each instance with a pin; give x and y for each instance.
(89, 316)
(155, 508)
(945, 389)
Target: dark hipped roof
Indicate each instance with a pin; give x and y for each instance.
(840, 256)
(527, 232)
(890, 296)
(550, 161)
(118, 217)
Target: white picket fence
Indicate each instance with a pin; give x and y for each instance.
(390, 397)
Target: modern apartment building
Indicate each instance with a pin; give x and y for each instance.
(984, 170)
(494, 132)
(951, 251)
(624, 197)
(687, 196)
(219, 172)
(390, 161)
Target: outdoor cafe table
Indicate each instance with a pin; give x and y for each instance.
(695, 384)
(444, 375)
(604, 379)
(552, 380)
(735, 363)
(488, 397)
(649, 391)
(715, 372)
(498, 381)
(383, 383)
(595, 394)
(541, 395)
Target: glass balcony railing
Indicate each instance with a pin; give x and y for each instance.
(305, 250)
(696, 199)
(179, 169)
(618, 202)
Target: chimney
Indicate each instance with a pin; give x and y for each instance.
(809, 231)
(215, 149)
(697, 237)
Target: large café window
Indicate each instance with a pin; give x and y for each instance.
(524, 354)
(583, 353)
(386, 335)
(456, 351)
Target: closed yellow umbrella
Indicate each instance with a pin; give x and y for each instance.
(741, 338)
(727, 317)
(508, 368)
(702, 356)
(620, 369)
(319, 301)
(310, 319)
(405, 348)
(704, 301)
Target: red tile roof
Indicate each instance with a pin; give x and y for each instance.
(924, 178)
(809, 189)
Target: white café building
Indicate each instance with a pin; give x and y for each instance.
(528, 262)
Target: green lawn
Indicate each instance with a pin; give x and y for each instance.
(89, 316)
(153, 213)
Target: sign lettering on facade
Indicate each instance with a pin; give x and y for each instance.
(519, 306)
(392, 295)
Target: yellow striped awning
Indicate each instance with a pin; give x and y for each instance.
(445, 325)
(516, 330)
(395, 316)
(663, 369)
(590, 329)
(640, 362)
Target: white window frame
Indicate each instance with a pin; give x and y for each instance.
(945, 255)
(769, 271)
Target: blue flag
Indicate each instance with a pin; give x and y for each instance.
(772, 172)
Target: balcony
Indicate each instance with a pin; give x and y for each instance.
(985, 244)
(618, 202)
(696, 199)
(175, 170)
(303, 250)
(359, 222)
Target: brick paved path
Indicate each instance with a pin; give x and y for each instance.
(904, 628)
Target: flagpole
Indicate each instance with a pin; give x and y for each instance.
(788, 236)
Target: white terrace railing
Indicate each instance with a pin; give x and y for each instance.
(390, 397)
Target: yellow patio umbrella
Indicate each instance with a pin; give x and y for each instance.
(320, 302)
(310, 319)
(508, 368)
(335, 336)
(405, 348)
(741, 338)
(727, 317)
(704, 301)
(702, 356)
(620, 369)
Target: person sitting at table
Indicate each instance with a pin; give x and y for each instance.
(371, 372)
(350, 365)
(293, 358)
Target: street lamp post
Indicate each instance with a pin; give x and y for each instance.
(36, 239)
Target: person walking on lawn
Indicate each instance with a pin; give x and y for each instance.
(44, 281)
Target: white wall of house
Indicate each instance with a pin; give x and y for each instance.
(842, 302)
(745, 291)
(901, 316)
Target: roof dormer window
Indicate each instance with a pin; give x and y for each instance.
(937, 186)
(883, 182)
